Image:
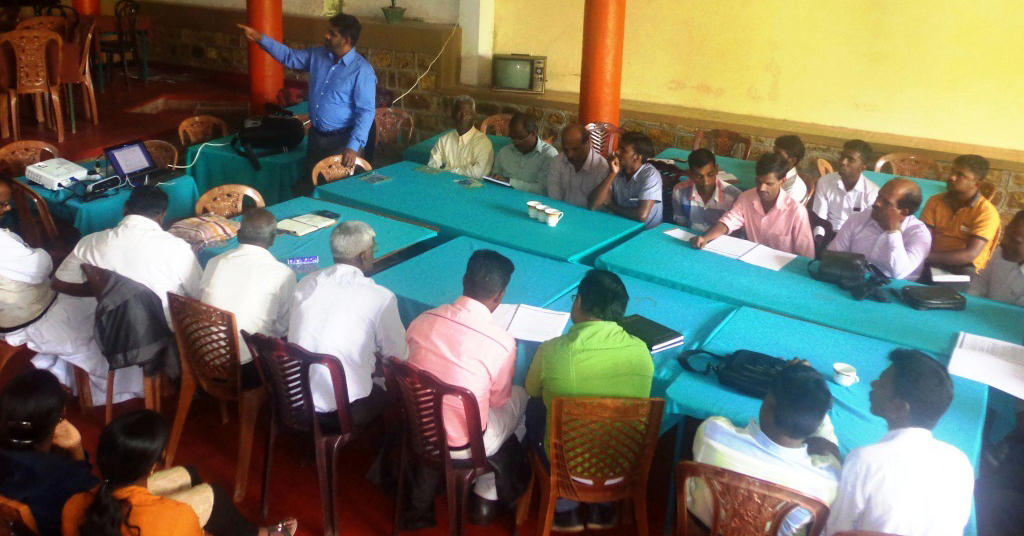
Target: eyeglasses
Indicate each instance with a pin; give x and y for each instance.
(376, 248)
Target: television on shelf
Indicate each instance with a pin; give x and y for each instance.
(518, 72)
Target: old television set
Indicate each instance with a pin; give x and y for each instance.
(518, 72)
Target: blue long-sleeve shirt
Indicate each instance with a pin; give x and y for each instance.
(342, 93)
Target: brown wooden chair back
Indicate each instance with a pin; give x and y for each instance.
(126, 14)
(201, 128)
(337, 372)
(227, 200)
(498, 123)
(390, 125)
(207, 341)
(35, 224)
(287, 377)
(331, 169)
(604, 137)
(724, 142)
(910, 165)
(37, 56)
(17, 518)
(743, 505)
(56, 24)
(824, 167)
(16, 156)
(83, 36)
(165, 155)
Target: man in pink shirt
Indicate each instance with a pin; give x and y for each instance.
(767, 214)
(461, 345)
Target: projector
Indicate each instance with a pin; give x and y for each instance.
(55, 173)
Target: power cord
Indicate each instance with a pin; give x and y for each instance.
(417, 82)
(201, 147)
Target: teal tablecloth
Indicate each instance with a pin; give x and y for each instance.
(221, 164)
(420, 152)
(106, 212)
(392, 235)
(744, 171)
(657, 257)
(749, 329)
(493, 213)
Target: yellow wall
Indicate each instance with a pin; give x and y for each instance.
(951, 70)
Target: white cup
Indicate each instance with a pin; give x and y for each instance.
(541, 212)
(844, 374)
(553, 216)
(532, 207)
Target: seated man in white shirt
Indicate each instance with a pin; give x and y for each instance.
(908, 483)
(524, 165)
(776, 447)
(252, 284)
(577, 170)
(1003, 277)
(843, 193)
(465, 150)
(889, 235)
(340, 312)
(791, 147)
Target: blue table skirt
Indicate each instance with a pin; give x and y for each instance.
(420, 152)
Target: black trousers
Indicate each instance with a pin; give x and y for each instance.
(321, 145)
(362, 412)
(225, 519)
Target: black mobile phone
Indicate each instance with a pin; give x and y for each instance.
(327, 214)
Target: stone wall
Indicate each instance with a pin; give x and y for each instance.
(397, 70)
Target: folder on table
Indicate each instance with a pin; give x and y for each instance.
(305, 224)
(657, 337)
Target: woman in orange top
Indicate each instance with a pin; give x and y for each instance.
(130, 449)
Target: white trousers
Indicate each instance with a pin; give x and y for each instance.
(502, 422)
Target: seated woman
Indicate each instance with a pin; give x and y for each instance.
(136, 500)
(42, 462)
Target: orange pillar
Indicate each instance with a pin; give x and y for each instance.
(604, 23)
(266, 76)
(86, 7)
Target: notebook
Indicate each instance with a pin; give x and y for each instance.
(657, 337)
(740, 249)
(305, 224)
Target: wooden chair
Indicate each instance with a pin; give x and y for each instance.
(331, 169)
(498, 122)
(16, 156)
(604, 137)
(724, 142)
(35, 224)
(609, 442)
(425, 440)
(16, 518)
(208, 344)
(82, 73)
(743, 505)
(227, 200)
(390, 123)
(201, 128)
(37, 56)
(56, 24)
(824, 167)
(165, 155)
(987, 190)
(126, 16)
(910, 165)
(284, 368)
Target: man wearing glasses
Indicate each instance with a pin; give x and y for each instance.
(524, 165)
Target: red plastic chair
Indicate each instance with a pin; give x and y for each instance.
(604, 137)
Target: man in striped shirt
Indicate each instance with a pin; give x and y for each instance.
(776, 446)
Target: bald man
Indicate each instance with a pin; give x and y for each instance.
(577, 170)
(1003, 277)
(251, 283)
(889, 235)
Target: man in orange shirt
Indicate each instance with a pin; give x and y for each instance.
(963, 223)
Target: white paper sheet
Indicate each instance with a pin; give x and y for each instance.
(995, 363)
(530, 323)
(680, 234)
(728, 246)
(766, 257)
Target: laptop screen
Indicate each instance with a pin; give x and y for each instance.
(129, 159)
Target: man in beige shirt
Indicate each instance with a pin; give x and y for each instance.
(465, 150)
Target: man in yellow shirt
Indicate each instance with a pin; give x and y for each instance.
(963, 223)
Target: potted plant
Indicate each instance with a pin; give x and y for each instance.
(394, 13)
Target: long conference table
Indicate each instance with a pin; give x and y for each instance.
(496, 214)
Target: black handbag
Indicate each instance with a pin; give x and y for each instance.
(841, 268)
(748, 372)
(272, 134)
(924, 298)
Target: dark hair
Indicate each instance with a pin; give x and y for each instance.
(793, 145)
(148, 201)
(603, 296)
(487, 273)
(923, 383)
(258, 227)
(700, 158)
(30, 407)
(975, 163)
(801, 400)
(524, 120)
(911, 199)
(862, 147)
(129, 447)
(641, 144)
(1017, 218)
(347, 25)
(772, 163)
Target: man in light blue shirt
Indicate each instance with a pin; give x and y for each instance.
(525, 163)
(633, 186)
(342, 89)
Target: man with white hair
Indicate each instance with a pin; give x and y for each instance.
(465, 150)
(340, 312)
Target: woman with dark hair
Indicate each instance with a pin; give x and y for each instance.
(42, 462)
(136, 500)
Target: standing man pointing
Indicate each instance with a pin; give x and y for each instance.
(342, 89)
